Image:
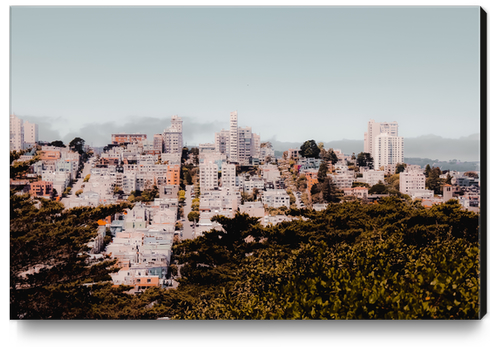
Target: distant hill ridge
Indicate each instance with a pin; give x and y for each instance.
(465, 148)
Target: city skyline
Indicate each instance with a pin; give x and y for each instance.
(294, 74)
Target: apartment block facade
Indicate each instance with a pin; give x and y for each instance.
(411, 181)
(388, 150)
(172, 136)
(23, 134)
(228, 175)
(374, 129)
(208, 176)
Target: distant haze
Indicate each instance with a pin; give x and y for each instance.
(465, 148)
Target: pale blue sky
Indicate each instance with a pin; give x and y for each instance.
(292, 74)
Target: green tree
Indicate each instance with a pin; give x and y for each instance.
(360, 184)
(57, 143)
(400, 167)
(448, 179)
(329, 191)
(77, 145)
(322, 172)
(471, 174)
(329, 156)
(427, 170)
(48, 243)
(378, 188)
(301, 183)
(309, 149)
(365, 159)
(434, 182)
(193, 216)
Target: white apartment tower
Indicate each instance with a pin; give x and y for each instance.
(16, 133)
(172, 136)
(374, 129)
(228, 175)
(387, 150)
(31, 134)
(233, 137)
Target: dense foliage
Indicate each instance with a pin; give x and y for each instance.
(392, 260)
(309, 149)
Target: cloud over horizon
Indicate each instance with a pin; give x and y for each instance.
(98, 134)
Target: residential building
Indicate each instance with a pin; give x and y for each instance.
(374, 129)
(173, 175)
(372, 177)
(222, 141)
(158, 142)
(127, 138)
(412, 182)
(388, 149)
(172, 136)
(293, 153)
(358, 192)
(31, 134)
(275, 198)
(233, 151)
(342, 180)
(41, 188)
(16, 133)
(208, 176)
(228, 175)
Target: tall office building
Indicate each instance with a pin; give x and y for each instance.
(16, 133)
(387, 150)
(234, 137)
(374, 129)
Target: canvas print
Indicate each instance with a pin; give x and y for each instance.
(248, 163)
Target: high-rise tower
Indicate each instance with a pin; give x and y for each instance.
(234, 137)
(374, 129)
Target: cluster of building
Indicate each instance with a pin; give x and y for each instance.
(169, 142)
(135, 166)
(23, 134)
(142, 243)
(57, 168)
(386, 148)
(238, 145)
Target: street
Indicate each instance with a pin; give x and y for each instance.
(187, 226)
(78, 184)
